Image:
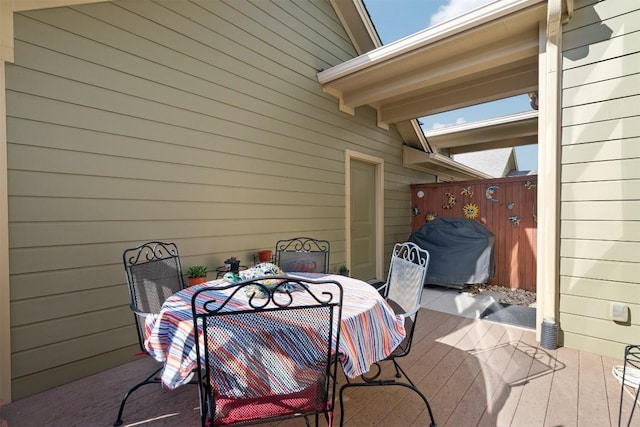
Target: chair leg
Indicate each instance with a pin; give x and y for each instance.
(370, 383)
(631, 361)
(151, 379)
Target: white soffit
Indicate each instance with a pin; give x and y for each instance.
(443, 167)
(507, 131)
(486, 54)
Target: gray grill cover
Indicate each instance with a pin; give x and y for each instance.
(460, 249)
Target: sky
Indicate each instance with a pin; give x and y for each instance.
(396, 19)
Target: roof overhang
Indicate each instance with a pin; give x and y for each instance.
(484, 55)
(502, 132)
(443, 167)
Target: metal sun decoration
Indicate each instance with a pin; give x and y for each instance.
(471, 210)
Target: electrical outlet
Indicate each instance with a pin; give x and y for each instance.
(619, 312)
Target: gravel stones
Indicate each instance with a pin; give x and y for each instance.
(511, 296)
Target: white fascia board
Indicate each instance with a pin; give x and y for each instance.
(474, 18)
(512, 118)
(417, 159)
(25, 5)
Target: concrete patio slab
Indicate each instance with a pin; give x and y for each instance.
(458, 302)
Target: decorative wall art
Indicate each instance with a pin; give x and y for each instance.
(451, 201)
(506, 206)
(489, 192)
(430, 216)
(471, 210)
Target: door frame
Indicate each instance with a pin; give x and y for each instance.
(379, 206)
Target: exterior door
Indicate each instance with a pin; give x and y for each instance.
(363, 220)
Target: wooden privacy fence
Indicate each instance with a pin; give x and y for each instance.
(506, 206)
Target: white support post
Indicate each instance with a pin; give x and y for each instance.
(549, 123)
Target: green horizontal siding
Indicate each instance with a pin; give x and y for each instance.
(199, 122)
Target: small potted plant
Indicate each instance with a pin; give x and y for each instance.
(197, 274)
(343, 270)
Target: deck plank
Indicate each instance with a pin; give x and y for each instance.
(592, 399)
(563, 398)
(476, 399)
(474, 373)
(534, 399)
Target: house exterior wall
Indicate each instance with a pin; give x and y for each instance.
(600, 176)
(200, 123)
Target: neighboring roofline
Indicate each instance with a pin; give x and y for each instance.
(497, 162)
(515, 159)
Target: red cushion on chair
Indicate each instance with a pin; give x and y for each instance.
(229, 411)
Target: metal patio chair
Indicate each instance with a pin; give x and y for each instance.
(629, 376)
(271, 358)
(153, 274)
(403, 291)
(303, 254)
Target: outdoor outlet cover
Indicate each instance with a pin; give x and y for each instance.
(619, 312)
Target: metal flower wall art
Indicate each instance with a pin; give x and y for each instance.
(515, 221)
(451, 201)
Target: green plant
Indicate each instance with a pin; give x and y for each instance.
(197, 271)
(343, 270)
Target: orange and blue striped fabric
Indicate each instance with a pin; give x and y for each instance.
(370, 331)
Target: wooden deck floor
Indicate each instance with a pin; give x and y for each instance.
(474, 373)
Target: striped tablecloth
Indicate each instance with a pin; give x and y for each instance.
(370, 330)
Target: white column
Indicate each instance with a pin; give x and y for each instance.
(549, 128)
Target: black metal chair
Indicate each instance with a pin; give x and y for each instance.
(403, 291)
(629, 377)
(270, 358)
(153, 274)
(303, 254)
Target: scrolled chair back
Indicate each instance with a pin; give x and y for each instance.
(267, 348)
(303, 254)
